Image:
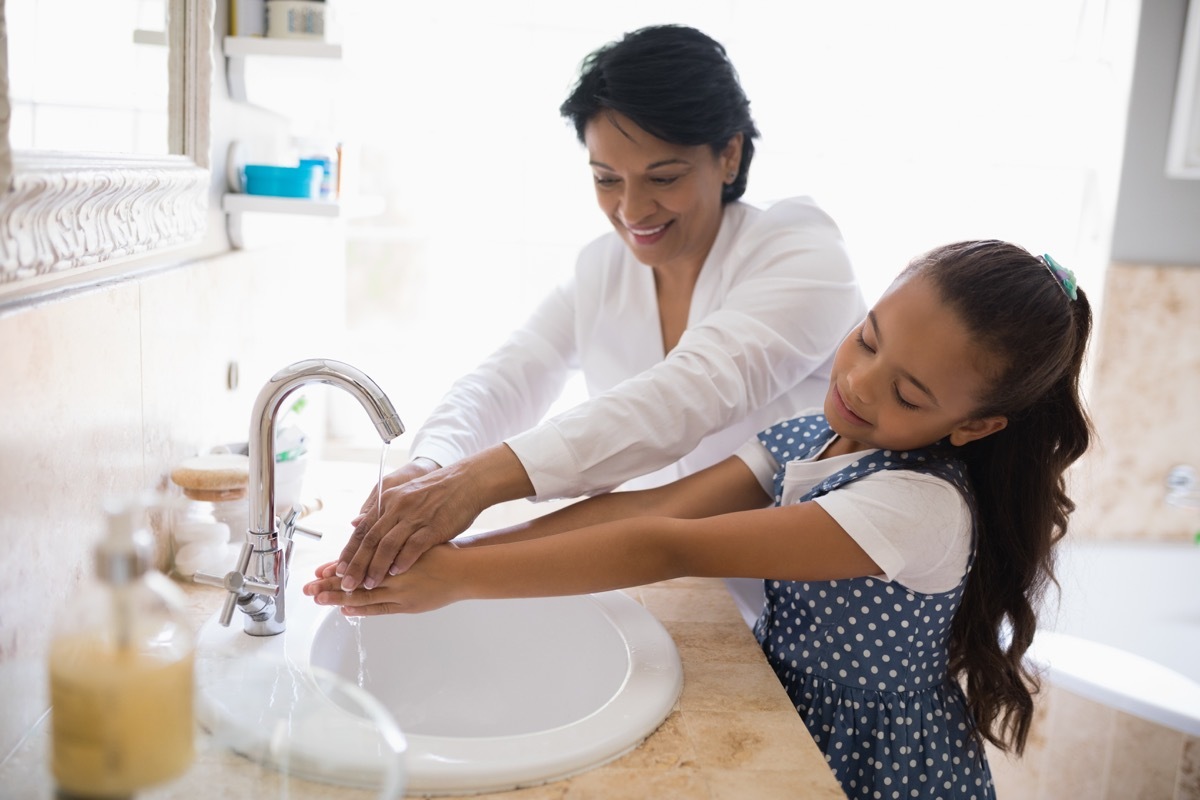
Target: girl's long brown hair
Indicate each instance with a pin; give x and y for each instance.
(1018, 311)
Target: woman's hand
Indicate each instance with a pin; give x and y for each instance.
(417, 468)
(423, 506)
(433, 582)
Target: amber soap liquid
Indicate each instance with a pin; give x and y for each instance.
(122, 718)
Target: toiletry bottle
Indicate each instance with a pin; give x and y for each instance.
(121, 672)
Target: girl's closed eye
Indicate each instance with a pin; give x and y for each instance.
(602, 180)
(862, 342)
(860, 338)
(900, 399)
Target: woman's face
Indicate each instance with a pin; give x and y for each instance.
(663, 199)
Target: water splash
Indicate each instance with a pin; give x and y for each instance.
(356, 624)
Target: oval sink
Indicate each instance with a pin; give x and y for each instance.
(490, 695)
(495, 694)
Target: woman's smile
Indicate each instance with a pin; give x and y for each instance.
(645, 236)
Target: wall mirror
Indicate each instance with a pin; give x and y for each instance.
(75, 217)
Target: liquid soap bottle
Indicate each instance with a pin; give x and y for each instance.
(121, 672)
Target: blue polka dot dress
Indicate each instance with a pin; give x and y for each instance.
(865, 660)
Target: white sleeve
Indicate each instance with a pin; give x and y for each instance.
(915, 527)
(761, 463)
(510, 391)
(793, 300)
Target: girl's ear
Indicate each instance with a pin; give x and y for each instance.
(974, 429)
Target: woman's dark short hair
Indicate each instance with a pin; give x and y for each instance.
(674, 82)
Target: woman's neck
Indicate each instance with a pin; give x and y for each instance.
(673, 291)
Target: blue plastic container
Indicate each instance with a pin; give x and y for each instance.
(267, 179)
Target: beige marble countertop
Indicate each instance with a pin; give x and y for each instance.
(733, 734)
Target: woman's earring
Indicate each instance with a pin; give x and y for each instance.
(731, 177)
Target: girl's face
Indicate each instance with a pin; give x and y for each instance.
(910, 375)
(664, 200)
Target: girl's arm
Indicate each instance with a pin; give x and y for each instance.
(799, 542)
(722, 488)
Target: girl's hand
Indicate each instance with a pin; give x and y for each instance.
(435, 581)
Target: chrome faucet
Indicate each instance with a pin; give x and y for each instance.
(258, 582)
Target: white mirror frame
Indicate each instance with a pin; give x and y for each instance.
(1183, 144)
(64, 215)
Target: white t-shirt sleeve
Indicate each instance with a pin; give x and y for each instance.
(916, 527)
(761, 463)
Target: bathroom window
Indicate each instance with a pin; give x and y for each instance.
(108, 95)
(912, 124)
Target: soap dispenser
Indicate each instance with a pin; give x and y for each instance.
(121, 672)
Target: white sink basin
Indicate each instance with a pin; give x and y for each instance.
(490, 695)
(494, 694)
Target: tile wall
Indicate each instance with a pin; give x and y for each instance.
(104, 391)
(1145, 402)
(1078, 748)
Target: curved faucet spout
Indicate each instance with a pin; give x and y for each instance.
(267, 562)
(270, 399)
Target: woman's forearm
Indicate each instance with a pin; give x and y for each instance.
(723, 488)
(492, 476)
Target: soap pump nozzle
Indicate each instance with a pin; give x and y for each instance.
(127, 549)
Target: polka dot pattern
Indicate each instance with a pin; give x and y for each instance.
(865, 661)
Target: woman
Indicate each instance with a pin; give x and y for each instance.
(698, 321)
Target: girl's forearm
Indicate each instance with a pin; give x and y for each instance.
(799, 542)
(614, 555)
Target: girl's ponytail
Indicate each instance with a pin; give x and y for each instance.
(1017, 307)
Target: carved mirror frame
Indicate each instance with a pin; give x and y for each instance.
(66, 215)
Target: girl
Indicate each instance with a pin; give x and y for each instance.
(911, 535)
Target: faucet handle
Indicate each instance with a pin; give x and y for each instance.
(236, 583)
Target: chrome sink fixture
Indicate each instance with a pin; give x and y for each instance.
(256, 584)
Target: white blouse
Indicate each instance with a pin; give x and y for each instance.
(774, 299)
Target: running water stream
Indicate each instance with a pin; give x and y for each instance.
(356, 622)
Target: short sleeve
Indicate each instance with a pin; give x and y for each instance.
(761, 463)
(914, 526)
